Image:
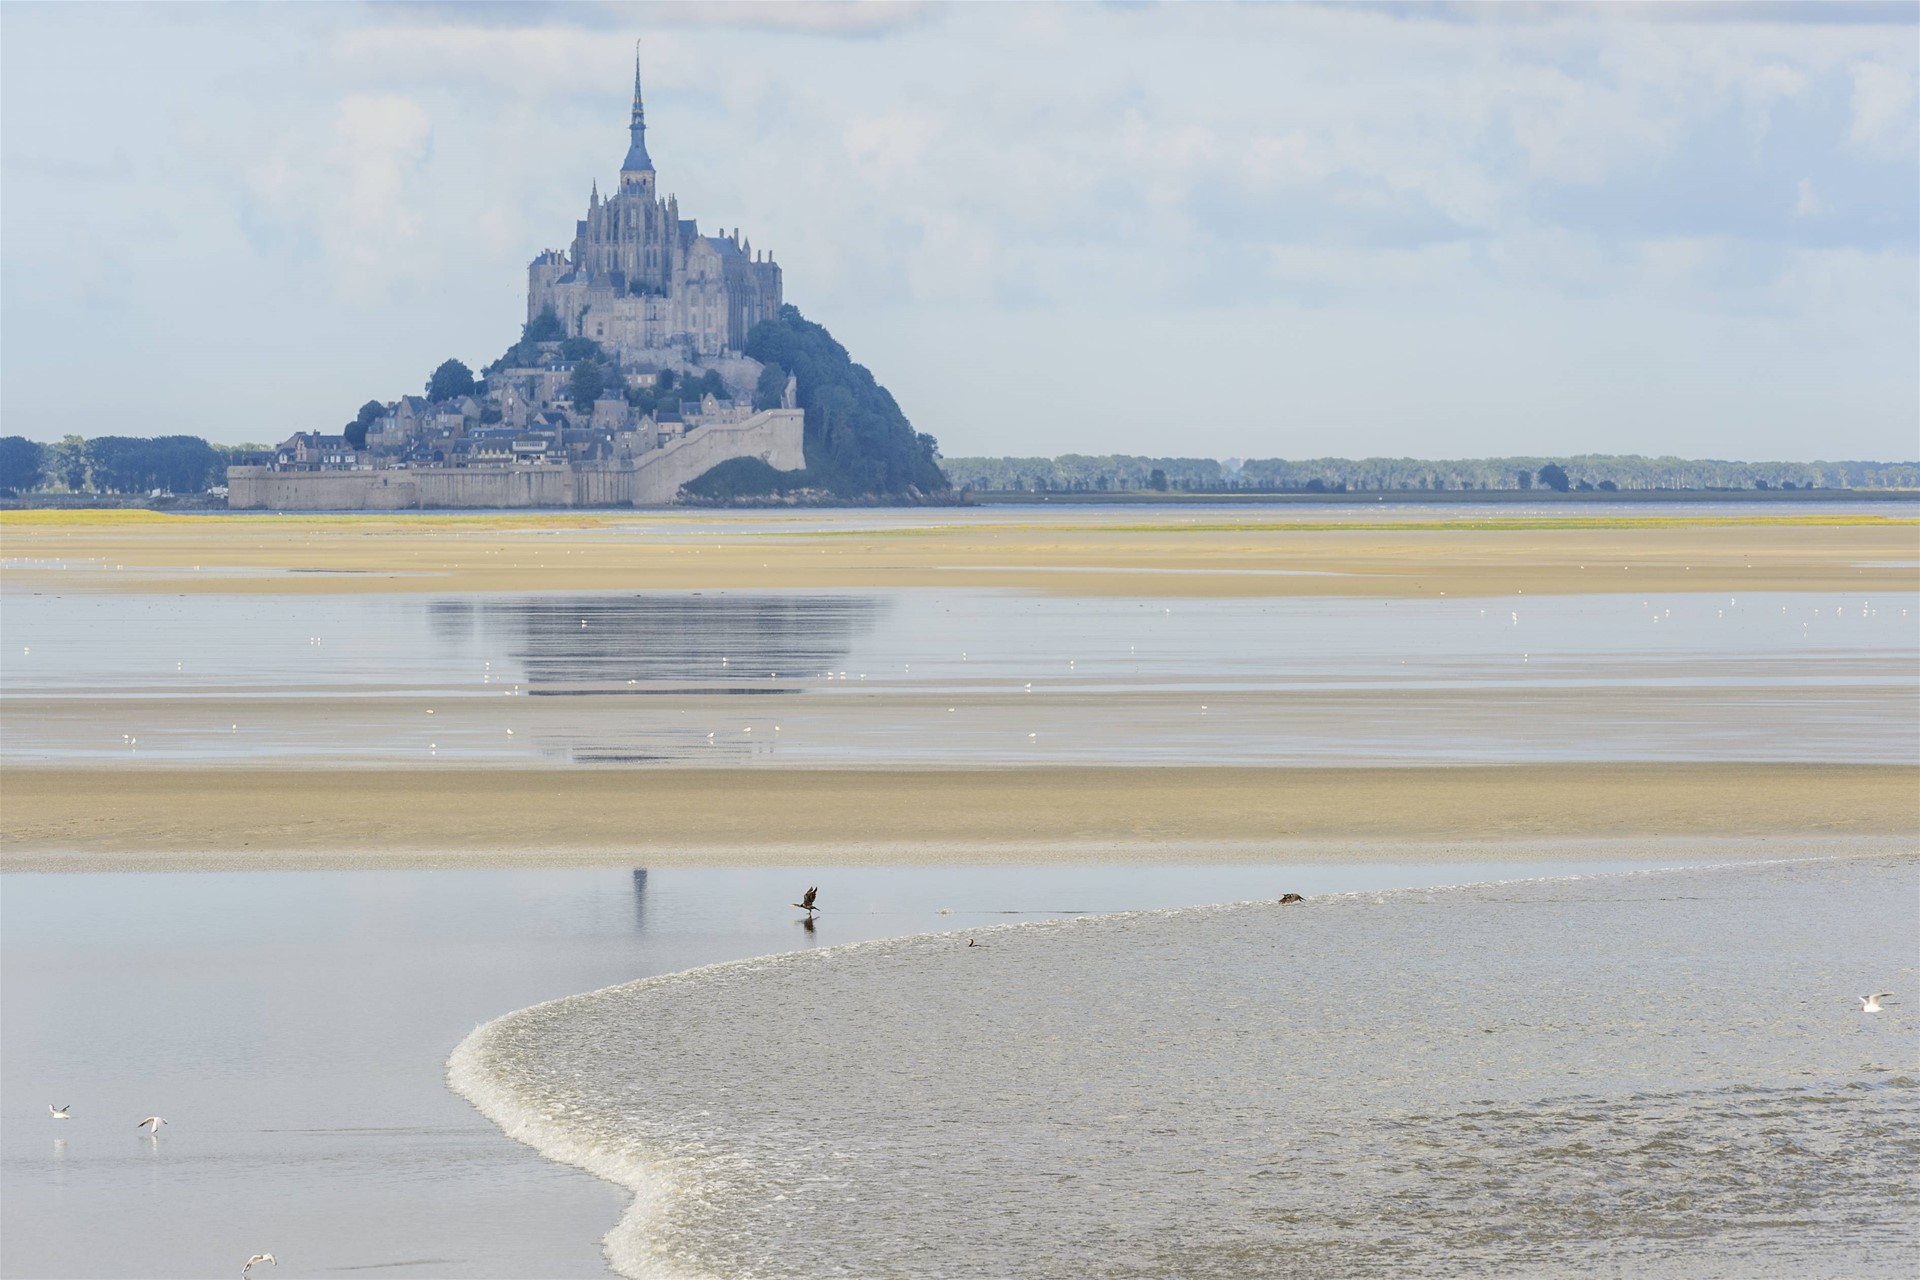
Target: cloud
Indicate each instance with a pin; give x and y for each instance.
(1806, 203)
(1115, 183)
(815, 17)
(890, 142)
(526, 62)
(857, 18)
(359, 199)
(1883, 109)
(1690, 12)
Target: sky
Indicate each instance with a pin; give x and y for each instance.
(1283, 230)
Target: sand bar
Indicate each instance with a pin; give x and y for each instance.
(1095, 553)
(130, 818)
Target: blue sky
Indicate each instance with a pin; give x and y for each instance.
(1278, 230)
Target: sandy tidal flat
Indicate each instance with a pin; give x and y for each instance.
(1130, 553)
(1190, 802)
(129, 818)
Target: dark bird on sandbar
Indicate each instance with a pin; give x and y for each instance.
(1285, 898)
(806, 900)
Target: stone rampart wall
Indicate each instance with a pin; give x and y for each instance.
(773, 435)
(653, 479)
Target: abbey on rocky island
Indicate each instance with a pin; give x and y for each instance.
(629, 382)
(639, 279)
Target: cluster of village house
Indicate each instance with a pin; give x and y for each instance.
(518, 417)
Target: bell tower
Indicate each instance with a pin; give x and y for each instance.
(636, 171)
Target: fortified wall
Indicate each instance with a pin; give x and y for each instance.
(652, 479)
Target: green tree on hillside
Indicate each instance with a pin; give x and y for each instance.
(451, 379)
(545, 327)
(741, 478)
(708, 383)
(771, 389)
(356, 431)
(858, 443)
(588, 380)
(525, 353)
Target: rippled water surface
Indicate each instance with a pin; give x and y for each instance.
(293, 1025)
(955, 677)
(1659, 1073)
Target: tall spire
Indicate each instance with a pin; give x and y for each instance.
(637, 160)
(639, 107)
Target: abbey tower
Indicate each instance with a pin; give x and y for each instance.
(638, 279)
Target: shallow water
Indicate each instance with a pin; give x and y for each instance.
(955, 677)
(292, 1027)
(1657, 1073)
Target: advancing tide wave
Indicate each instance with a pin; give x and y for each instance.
(1653, 1074)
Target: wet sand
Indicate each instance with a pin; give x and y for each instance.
(1095, 553)
(855, 726)
(223, 817)
(223, 814)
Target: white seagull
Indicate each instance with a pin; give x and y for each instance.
(1871, 1004)
(59, 1113)
(267, 1257)
(155, 1121)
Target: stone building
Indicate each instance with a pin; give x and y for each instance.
(639, 278)
(657, 296)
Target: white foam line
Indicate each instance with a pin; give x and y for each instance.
(469, 1076)
(651, 1183)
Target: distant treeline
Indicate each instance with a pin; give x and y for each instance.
(848, 453)
(117, 464)
(1083, 473)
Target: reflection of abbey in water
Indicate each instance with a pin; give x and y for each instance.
(637, 644)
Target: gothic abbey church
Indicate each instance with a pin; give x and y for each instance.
(638, 279)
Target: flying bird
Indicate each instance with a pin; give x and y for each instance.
(1871, 1004)
(59, 1113)
(155, 1121)
(267, 1257)
(806, 900)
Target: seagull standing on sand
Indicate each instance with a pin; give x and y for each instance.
(267, 1257)
(1871, 1004)
(155, 1121)
(59, 1113)
(806, 901)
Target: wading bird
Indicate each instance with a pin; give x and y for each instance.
(59, 1113)
(1871, 1004)
(155, 1121)
(806, 901)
